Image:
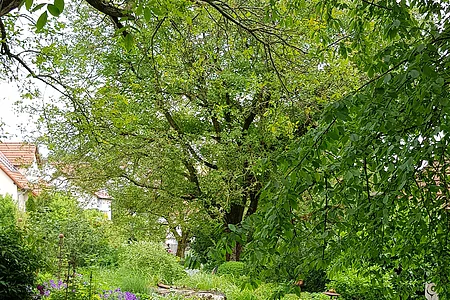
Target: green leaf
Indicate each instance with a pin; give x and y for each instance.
(147, 14)
(370, 72)
(128, 41)
(28, 4)
(387, 78)
(53, 10)
(158, 11)
(38, 7)
(59, 4)
(42, 21)
(232, 227)
(420, 48)
(414, 74)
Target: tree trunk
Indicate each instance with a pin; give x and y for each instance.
(234, 216)
(182, 243)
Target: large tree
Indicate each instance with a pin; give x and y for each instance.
(187, 106)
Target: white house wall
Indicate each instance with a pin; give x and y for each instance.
(7, 186)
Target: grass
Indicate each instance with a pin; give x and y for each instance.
(235, 288)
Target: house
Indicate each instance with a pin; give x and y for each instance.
(18, 167)
(103, 202)
(23, 156)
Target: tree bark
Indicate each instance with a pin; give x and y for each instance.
(182, 243)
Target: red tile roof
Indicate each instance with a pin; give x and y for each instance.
(18, 178)
(20, 154)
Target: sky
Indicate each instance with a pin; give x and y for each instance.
(14, 123)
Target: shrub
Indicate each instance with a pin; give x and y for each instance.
(18, 265)
(85, 232)
(235, 268)
(315, 281)
(150, 259)
(354, 285)
(8, 211)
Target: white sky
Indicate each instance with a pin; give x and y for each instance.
(17, 125)
(14, 124)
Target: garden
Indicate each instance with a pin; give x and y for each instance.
(288, 148)
(58, 251)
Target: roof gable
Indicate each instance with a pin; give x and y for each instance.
(20, 154)
(17, 177)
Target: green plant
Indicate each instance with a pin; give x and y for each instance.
(8, 211)
(354, 284)
(85, 233)
(315, 281)
(150, 259)
(235, 268)
(18, 264)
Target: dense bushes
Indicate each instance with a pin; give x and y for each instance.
(315, 280)
(235, 268)
(150, 259)
(85, 232)
(18, 258)
(18, 264)
(353, 285)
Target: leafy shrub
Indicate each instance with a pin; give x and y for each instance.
(204, 246)
(18, 264)
(353, 285)
(235, 268)
(306, 296)
(85, 232)
(191, 261)
(315, 281)
(78, 288)
(8, 211)
(150, 259)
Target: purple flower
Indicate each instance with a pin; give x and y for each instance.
(40, 289)
(53, 284)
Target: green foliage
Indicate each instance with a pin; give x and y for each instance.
(191, 261)
(86, 233)
(204, 246)
(77, 288)
(150, 259)
(235, 290)
(368, 180)
(19, 263)
(234, 268)
(315, 280)
(8, 211)
(352, 284)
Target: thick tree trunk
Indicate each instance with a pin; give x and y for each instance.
(182, 243)
(234, 216)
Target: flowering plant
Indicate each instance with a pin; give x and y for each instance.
(117, 294)
(77, 289)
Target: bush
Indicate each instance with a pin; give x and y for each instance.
(235, 268)
(85, 232)
(18, 265)
(353, 285)
(8, 211)
(150, 259)
(315, 281)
